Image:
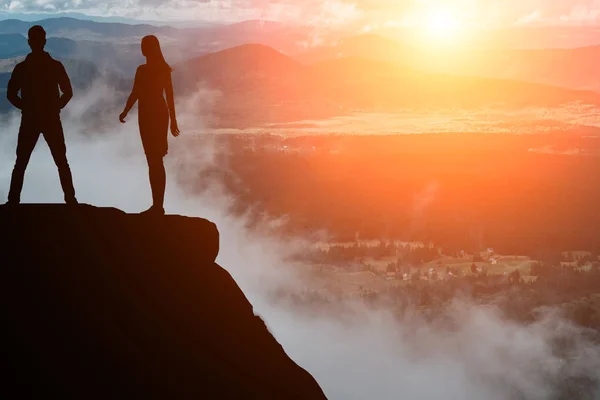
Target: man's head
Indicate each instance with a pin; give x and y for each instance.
(37, 38)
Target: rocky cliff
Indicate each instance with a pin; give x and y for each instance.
(101, 304)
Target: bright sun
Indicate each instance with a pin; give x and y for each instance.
(441, 25)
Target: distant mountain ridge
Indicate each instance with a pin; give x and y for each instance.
(255, 80)
(573, 68)
(15, 44)
(55, 26)
(119, 42)
(206, 38)
(124, 20)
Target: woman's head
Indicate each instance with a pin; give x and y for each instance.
(153, 53)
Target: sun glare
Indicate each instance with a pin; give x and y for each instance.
(441, 23)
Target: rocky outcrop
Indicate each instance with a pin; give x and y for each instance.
(101, 304)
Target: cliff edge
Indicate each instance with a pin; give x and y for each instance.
(101, 304)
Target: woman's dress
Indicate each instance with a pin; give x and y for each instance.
(153, 113)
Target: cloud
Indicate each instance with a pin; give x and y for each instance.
(321, 12)
(311, 11)
(557, 12)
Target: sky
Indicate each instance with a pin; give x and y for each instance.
(373, 13)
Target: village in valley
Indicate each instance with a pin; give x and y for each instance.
(356, 268)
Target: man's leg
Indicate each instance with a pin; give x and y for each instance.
(28, 137)
(53, 133)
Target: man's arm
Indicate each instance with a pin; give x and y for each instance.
(14, 85)
(64, 83)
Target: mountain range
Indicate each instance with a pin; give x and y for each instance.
(264, 71)
(36, 17)
(258, 81)
(204, 38)
(574, 68)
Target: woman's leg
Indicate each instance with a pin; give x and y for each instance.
(158, 180)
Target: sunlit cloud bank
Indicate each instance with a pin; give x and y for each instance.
(364, 354)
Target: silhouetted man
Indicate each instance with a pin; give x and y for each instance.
(39, 78)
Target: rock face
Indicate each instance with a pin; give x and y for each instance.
(97, 303)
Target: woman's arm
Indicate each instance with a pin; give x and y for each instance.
(171, 105)
(133, 97)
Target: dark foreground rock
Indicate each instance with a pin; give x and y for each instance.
(96, 303)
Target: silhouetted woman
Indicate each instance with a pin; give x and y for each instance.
(151, 81)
